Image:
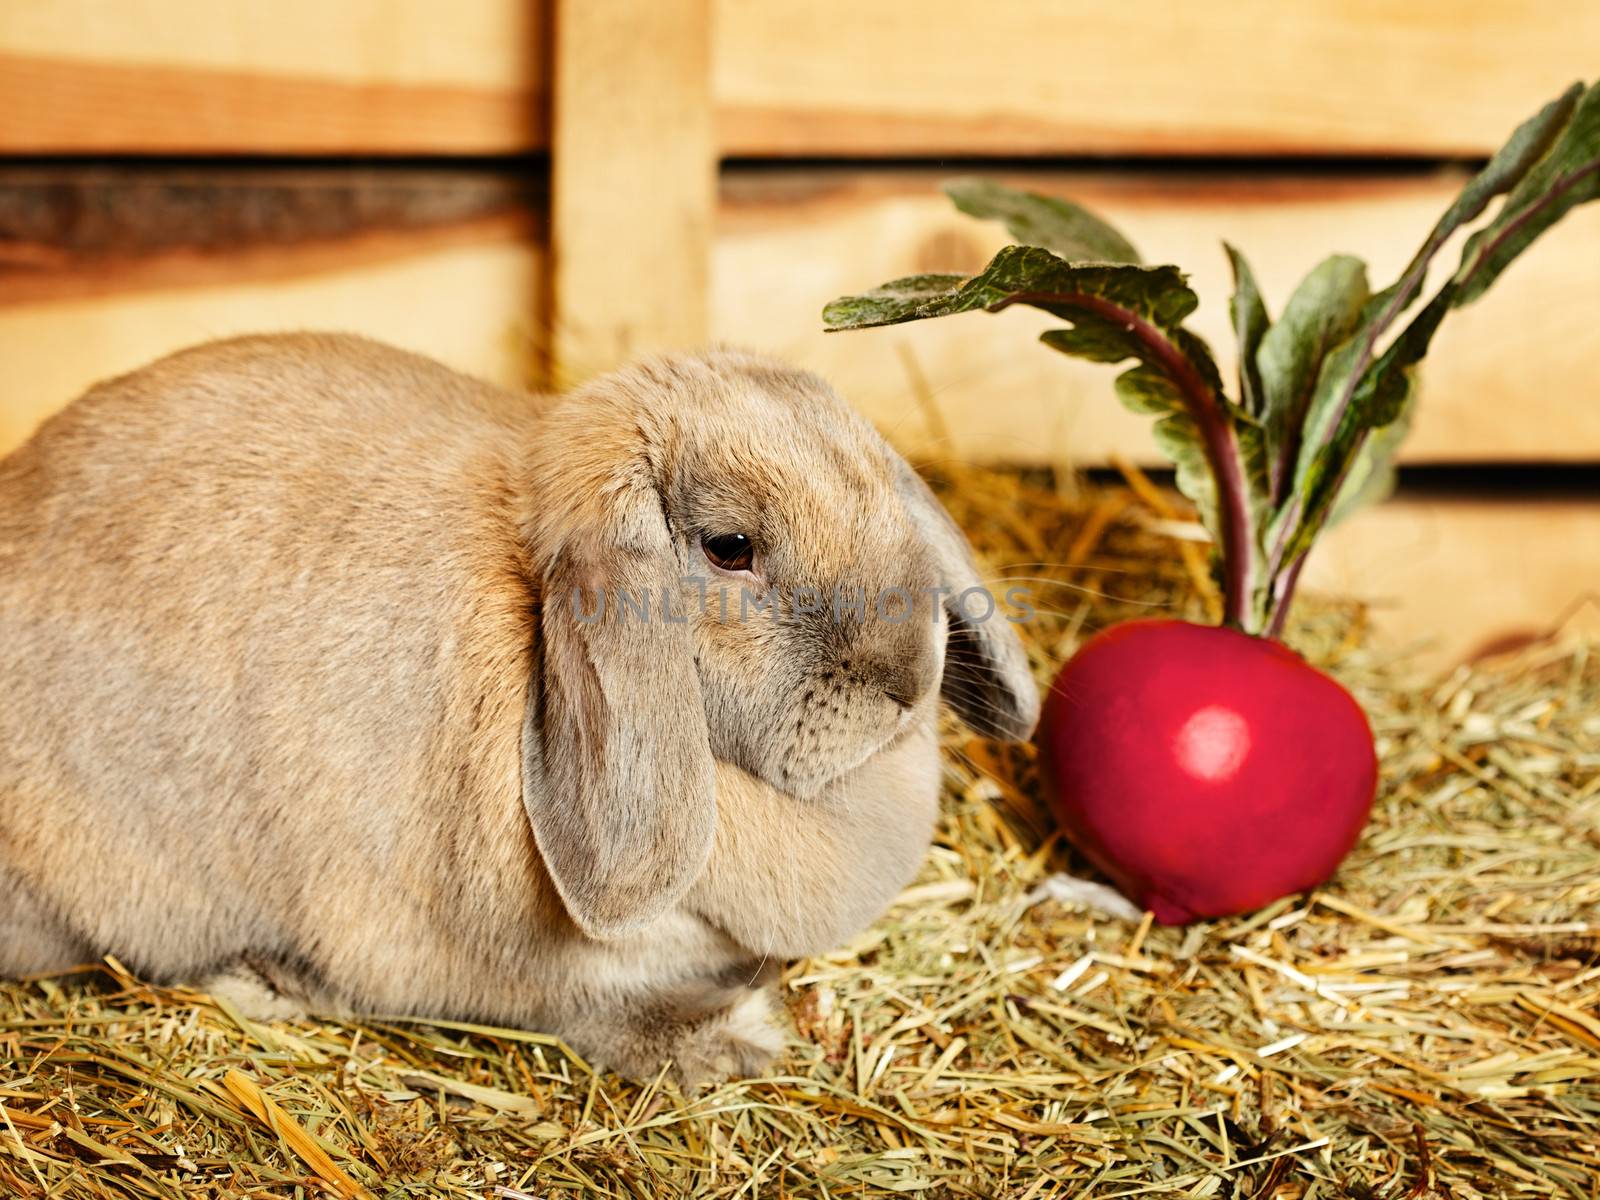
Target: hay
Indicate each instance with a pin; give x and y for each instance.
(1425, 1025)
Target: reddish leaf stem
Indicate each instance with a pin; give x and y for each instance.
(1563, 185)
(1279, 614)
(1217, 437)
(1283, 580)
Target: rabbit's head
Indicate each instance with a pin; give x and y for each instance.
(734, 566)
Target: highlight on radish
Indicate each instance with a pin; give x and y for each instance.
(1209, 770)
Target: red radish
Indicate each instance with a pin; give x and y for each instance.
(1205, 771)
(1210, 770)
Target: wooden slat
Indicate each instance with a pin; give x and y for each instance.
(633, 182)
(69, 232)
(463, 294)
(1448, 579)
(1510, 378)
(1174, 77)
(102, 269)
(290, 77)
(1058, 77)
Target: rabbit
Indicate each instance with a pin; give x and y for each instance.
(313, 696)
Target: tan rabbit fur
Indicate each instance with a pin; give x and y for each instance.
(304, 688)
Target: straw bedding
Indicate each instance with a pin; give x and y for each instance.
(1428, 1024)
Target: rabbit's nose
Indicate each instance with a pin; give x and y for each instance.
(904, 679)
(900, 696)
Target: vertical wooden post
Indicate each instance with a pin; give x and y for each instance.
(633, 181)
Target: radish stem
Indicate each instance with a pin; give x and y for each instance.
(1216, 434)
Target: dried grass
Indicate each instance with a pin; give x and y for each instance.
(1426, 1025)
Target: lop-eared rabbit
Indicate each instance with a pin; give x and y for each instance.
(336, 679)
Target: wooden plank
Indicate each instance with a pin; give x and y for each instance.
(1506, 382)
(633, 180)
(69, 232)
(1451, 578)
(1508, 378)
(1174, 77)
(462, 294)
(825, 77)
(105, 268)
(292, 77)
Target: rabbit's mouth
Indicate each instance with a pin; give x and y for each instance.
(831, 750)
(806, 786)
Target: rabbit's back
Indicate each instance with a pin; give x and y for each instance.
(264, 632)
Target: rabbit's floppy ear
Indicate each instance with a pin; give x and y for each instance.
(986, 677)
(618, 778)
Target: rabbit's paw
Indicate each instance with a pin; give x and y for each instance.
(701, 1034)
(247, 990)
(737, 1040)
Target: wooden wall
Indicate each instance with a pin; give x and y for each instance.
(530, 189)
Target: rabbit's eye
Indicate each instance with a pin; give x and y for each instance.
(730, 551)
